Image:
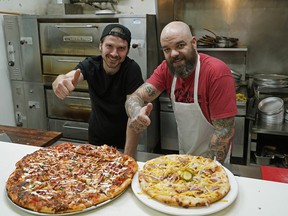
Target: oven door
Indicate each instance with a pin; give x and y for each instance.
(76, 106)
(71, 38)
(71, 130)
(55, 65)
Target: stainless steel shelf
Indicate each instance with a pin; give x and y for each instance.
(235, 49)
(275, 129)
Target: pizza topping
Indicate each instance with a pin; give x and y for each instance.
(186, 175)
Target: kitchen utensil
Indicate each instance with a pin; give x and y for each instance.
(222, 41)
(270, 80)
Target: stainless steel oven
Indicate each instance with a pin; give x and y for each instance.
(39, 48)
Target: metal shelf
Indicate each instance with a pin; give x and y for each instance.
(235, 49)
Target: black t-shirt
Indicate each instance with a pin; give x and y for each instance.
(108, 119)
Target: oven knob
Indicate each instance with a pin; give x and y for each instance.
(22, 42)
(11, 63)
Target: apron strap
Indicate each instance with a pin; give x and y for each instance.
(197, 73)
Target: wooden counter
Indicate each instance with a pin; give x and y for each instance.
(31, 137)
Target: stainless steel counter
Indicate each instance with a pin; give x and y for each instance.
(237, 170)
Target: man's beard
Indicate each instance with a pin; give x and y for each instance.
(183, 70)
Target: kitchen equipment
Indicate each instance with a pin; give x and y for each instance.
(262, 160)
(237, 77)
(226, 42)
(217, 41)
(168, 125)
(271, 110)
(270, 80)
(39, 48)
(286, 115)
(285, 160)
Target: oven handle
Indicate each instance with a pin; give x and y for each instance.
(68, 60)
(75, 26)
(65, 125)
(77, 107)
(76, 97)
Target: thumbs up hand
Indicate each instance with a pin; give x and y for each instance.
(64, 84)
(141, 121)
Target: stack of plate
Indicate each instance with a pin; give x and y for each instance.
(271, 110)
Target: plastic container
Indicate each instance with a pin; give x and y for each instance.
(263, 160)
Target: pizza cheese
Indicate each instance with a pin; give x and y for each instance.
(184, 180)
(69, 178)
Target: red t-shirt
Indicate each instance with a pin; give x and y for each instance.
(216, 87)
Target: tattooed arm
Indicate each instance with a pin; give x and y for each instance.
(221, 139)
(136, 109)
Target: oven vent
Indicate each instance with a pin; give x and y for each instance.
(10, 24)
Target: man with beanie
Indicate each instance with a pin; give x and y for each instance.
(111, 77)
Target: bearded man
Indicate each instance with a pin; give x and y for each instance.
(202, 92)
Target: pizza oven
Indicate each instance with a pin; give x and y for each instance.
(39, 48)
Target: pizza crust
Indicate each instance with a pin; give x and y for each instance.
(184, 180)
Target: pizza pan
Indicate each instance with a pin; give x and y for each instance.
(271, 105)
(270, 77)
(62, 214)
(271, 80)
(193, 211)
(271, 110)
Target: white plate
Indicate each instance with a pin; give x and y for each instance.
(62, 214)
(172, 210)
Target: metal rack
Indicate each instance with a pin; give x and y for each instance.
(256, 126)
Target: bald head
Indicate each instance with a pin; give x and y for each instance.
(175, 29)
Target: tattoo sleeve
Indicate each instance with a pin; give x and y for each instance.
(221, 139)
(145, 93)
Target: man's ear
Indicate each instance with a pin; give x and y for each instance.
(100, 46)
(194, 42)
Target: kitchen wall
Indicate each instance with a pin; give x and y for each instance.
(39, 8)
(261, 25)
